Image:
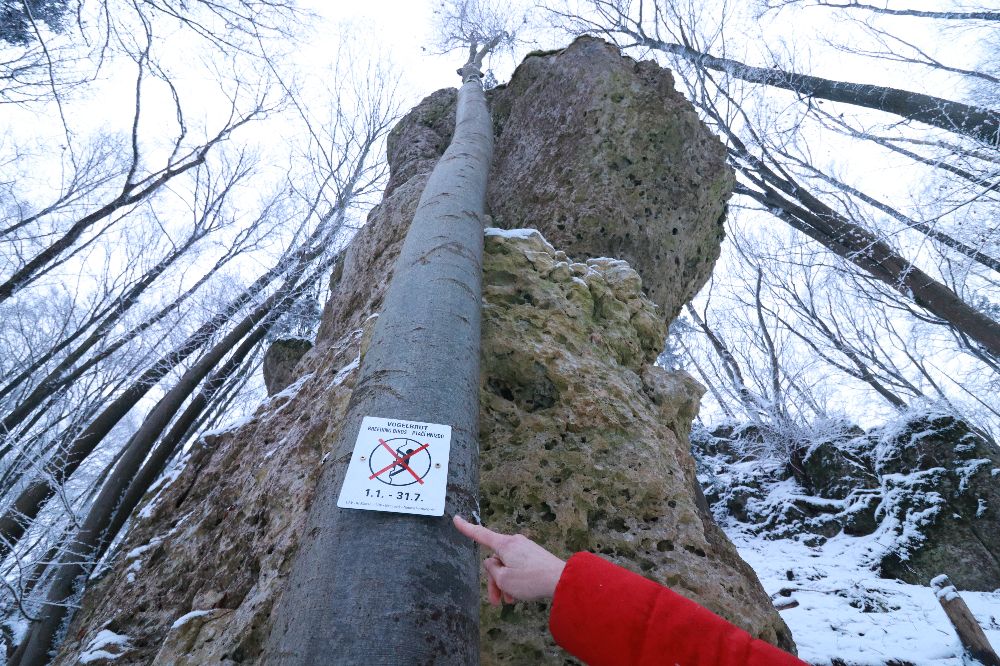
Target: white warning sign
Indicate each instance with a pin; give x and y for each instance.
(399, 466)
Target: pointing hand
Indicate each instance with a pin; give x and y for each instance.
(519, 568)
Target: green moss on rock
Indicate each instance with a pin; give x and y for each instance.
(584, 442)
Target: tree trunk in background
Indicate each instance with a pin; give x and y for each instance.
(368, 587)
(72, 453)
(52, 381)
(865, 250)
(83, 547)
(974, 122)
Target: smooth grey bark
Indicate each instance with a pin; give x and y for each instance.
(373, 588)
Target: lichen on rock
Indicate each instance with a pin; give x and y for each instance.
(584, 442)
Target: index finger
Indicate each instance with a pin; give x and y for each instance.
(480, 534)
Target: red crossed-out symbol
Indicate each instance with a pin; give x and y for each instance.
(396, 460)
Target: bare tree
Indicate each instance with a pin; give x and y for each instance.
(426, 344)
(77, 452)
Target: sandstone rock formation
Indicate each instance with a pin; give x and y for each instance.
(620, 167)
(584, 442)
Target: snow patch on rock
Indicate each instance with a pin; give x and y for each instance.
(184, 619)
(97, 648)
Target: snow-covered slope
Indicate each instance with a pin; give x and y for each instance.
(831, 518)
(847, 614)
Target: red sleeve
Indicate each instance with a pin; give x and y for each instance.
(605, 615)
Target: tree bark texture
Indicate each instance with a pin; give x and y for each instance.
(85, 545)
(369, 587)
(974, 122)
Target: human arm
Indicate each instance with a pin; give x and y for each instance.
(606, 615)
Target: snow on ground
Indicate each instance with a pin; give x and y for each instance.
(847, 612)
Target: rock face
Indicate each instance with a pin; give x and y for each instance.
(584, 442)
(621, 167)
(927, 488)
(280, 360)
(946, 479)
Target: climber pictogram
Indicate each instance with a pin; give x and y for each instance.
(398, 465)
(407, 456)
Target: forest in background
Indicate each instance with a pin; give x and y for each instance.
(176, 187)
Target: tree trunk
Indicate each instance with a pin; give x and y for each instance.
(86, 544)
(72, 453)
(864, 249)
(131, 193)
(117, 311)
(947, 16)
(924, 228)
(367, 587)
(974, 122)
(128, 196)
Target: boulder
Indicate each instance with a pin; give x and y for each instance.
(621, 167)
(927, 485)
(584, 443)
(280, 360)
(834, 468)
(942, 482)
